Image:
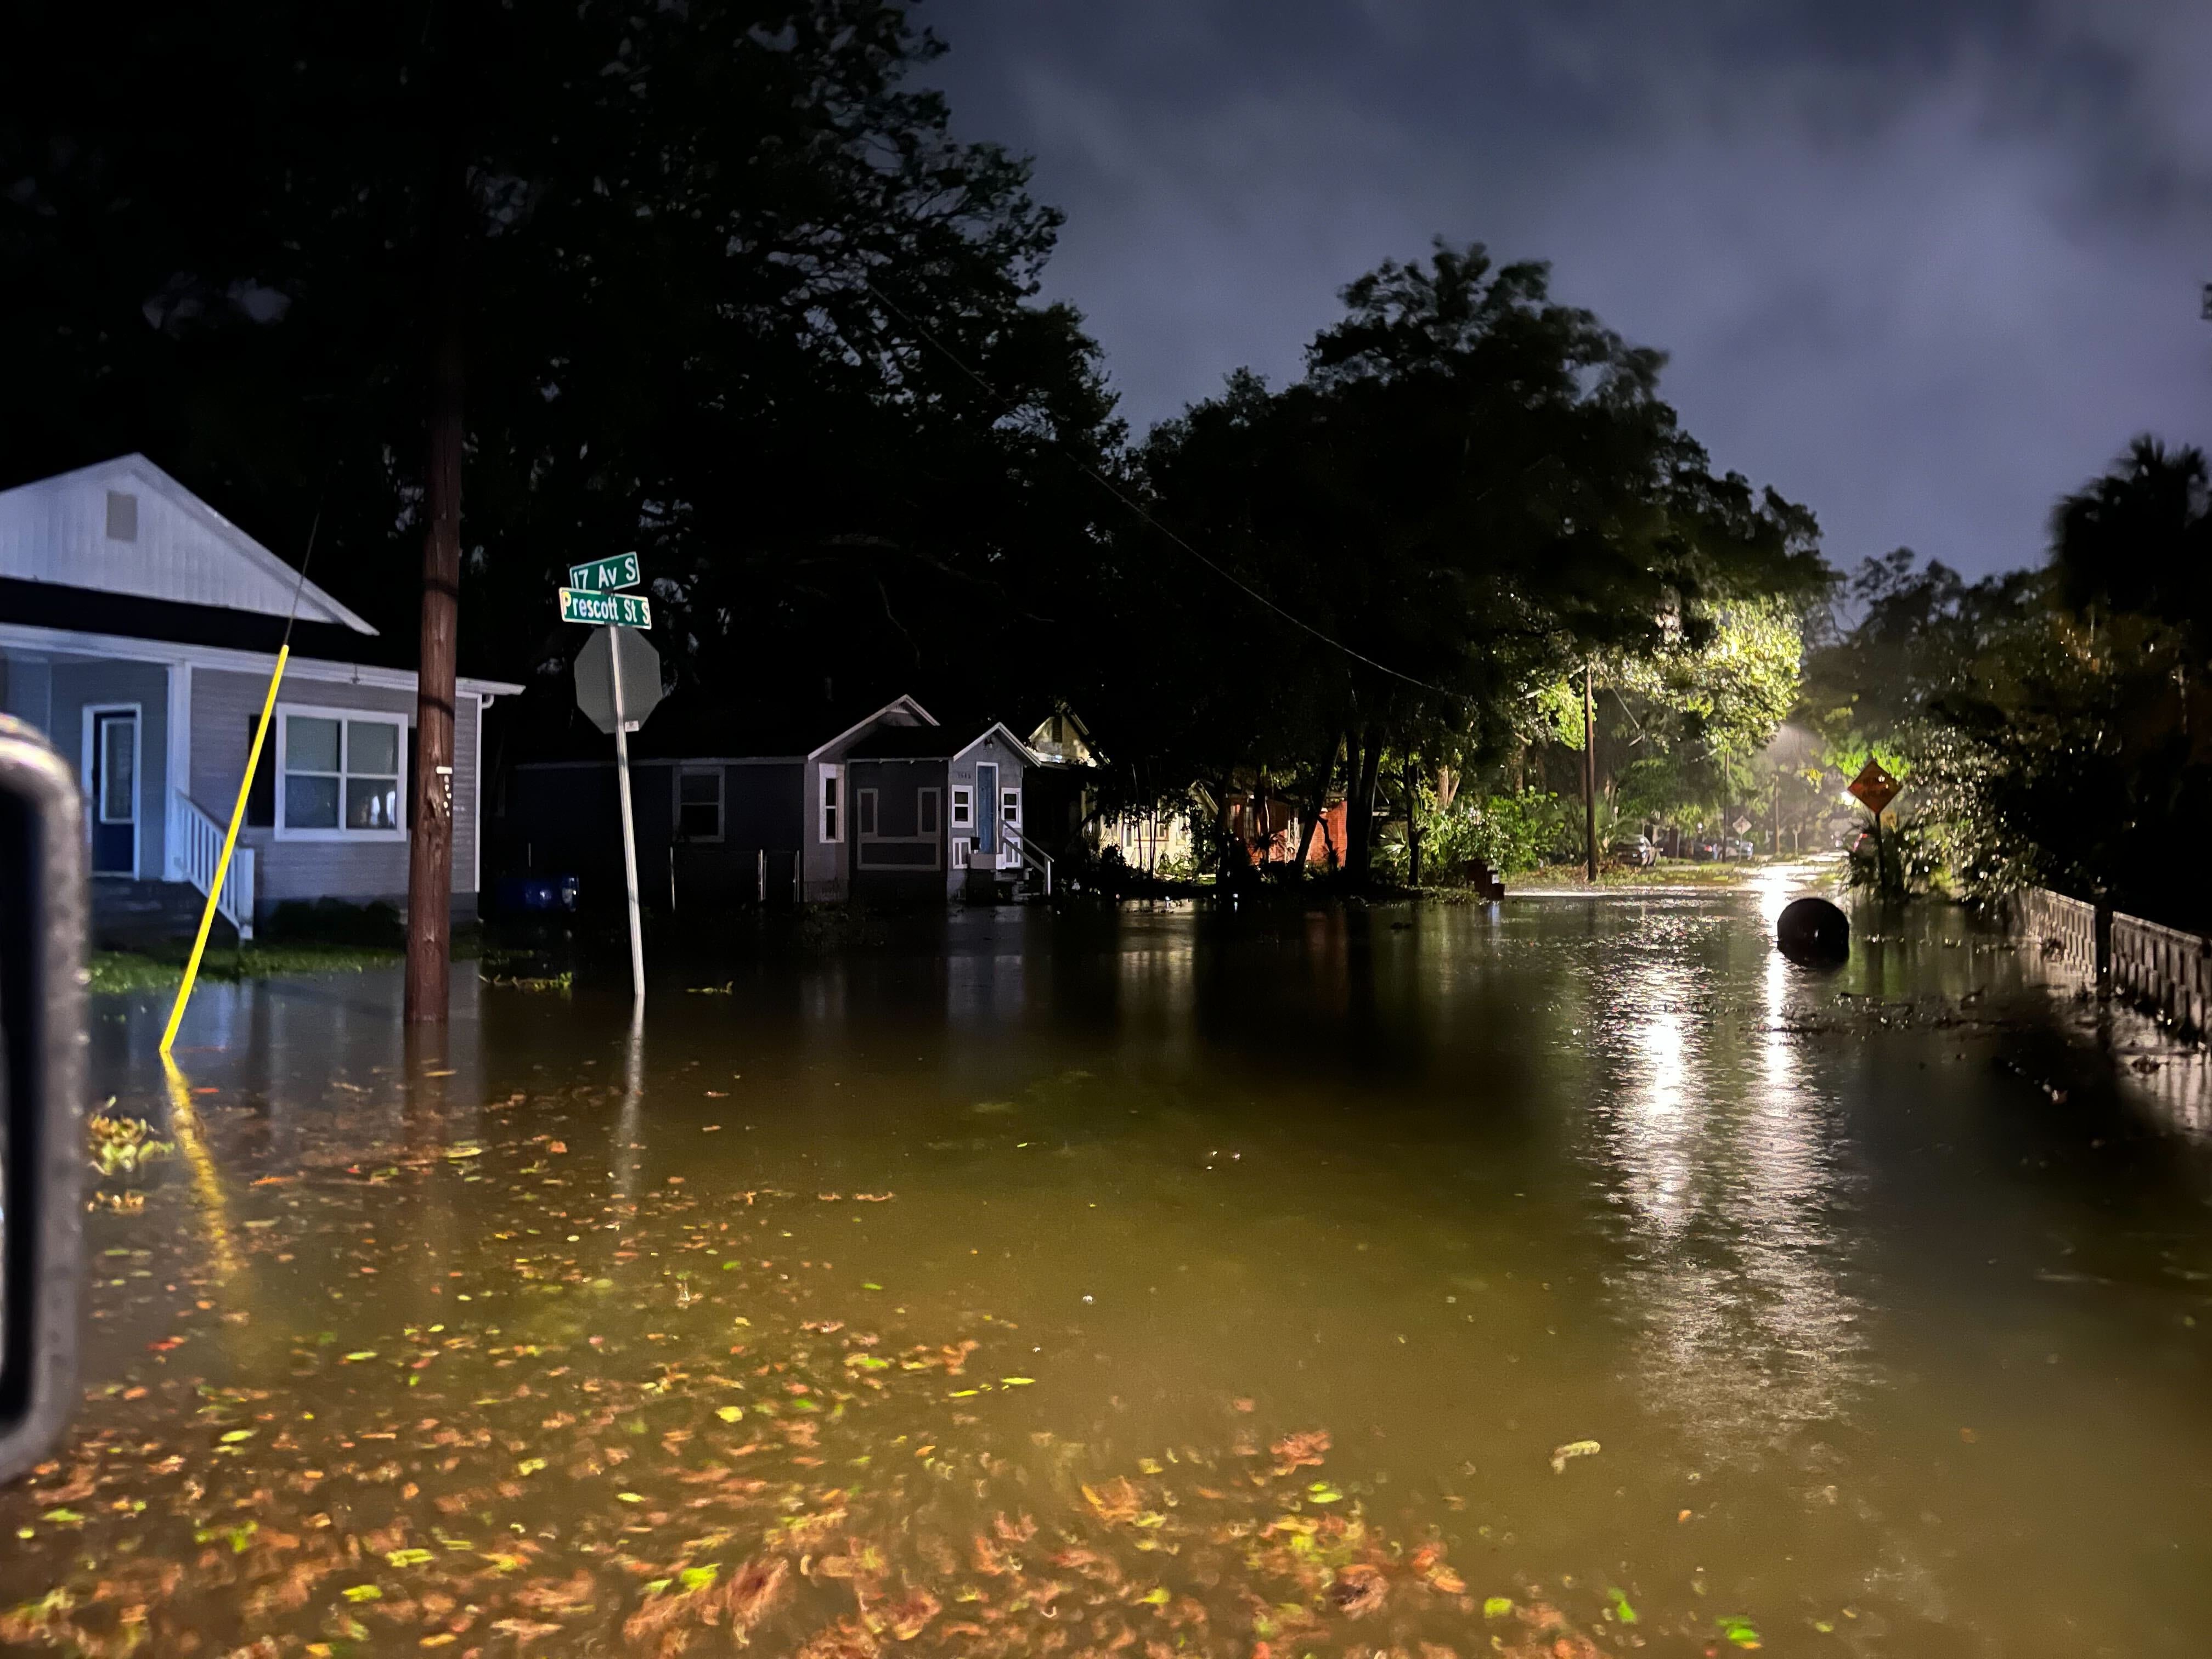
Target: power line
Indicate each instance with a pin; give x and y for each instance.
(1140, 511)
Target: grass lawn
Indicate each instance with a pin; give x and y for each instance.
(131, 971)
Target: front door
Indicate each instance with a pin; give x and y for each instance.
(115, 792)
(987, 808)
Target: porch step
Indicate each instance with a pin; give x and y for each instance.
(131, 916)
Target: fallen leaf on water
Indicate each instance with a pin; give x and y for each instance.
(1358, 1590)
(1297, 1450)
(908, 1617)
(556, 1147)
(1572, 1449)
(1497, 1606)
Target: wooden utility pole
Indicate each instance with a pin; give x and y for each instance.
(1590, 771)
(430, 831)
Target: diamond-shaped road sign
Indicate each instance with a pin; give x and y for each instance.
(1874, 787)
(639, 666)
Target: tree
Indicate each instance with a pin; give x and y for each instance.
(710, 248)
(2139, 539)
(1473, 492)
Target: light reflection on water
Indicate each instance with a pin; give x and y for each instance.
(1461, 1185)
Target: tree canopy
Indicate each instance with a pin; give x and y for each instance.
(710, 246)
(1473, 490)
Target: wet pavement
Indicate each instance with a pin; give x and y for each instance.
(1572, 1276)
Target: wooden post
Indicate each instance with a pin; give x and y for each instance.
(430, 836)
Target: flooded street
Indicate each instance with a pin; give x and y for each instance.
(1572, 1274)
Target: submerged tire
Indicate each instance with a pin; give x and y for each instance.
(1811, 930)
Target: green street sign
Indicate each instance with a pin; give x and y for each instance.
(604, 576)
(605, 610)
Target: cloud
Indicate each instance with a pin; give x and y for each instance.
(1921, 266)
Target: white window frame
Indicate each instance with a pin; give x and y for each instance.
(864, 813)
(285, 711)
(829, 803)
(1010, 806)
(721, 802)
(963, 806)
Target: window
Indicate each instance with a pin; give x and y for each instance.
(122, 516)
(1010, 807)
(865, 804)
(926, 812)
(963, 811)
(832, 827)
(337, 775)
(699, 804)
(118, 765)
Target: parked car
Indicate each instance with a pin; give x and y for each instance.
(1742, 849)
(1636, 852)
(1705, 849)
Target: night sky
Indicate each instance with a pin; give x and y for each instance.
(1921, 266)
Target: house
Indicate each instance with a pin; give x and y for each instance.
(817, 804)
(138, 630)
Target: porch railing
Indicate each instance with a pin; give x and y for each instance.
(197, 841)
(1035, 858)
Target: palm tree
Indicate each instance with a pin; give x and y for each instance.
(2140, 539)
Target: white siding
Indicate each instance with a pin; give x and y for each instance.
(56, 531)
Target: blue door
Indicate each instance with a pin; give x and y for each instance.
(987, 808)
(115, 792)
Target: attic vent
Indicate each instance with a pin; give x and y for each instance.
(122, 516)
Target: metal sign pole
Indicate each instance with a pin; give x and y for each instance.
(629, 824)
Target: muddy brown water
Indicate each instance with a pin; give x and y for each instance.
(1411, 1281)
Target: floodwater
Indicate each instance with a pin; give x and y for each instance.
(1573, 1276)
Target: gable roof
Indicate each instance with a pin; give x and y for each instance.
(899, 711)
(1029, 755)
(181, 550)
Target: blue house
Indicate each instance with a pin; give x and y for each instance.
(138, 628)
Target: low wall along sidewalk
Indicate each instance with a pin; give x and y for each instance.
(2159, 968)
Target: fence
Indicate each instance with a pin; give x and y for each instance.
(2161, 968)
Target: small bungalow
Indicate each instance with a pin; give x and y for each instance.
(138, 628)
(806, 804)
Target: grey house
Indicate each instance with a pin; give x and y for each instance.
(884, 804)
(138, 628)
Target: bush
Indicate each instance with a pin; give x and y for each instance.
(333, 922)
(1512, 833)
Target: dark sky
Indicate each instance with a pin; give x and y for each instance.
(1921, 265)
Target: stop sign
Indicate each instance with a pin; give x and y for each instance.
(611, 651)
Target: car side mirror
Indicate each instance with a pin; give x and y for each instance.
(42, 1039)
